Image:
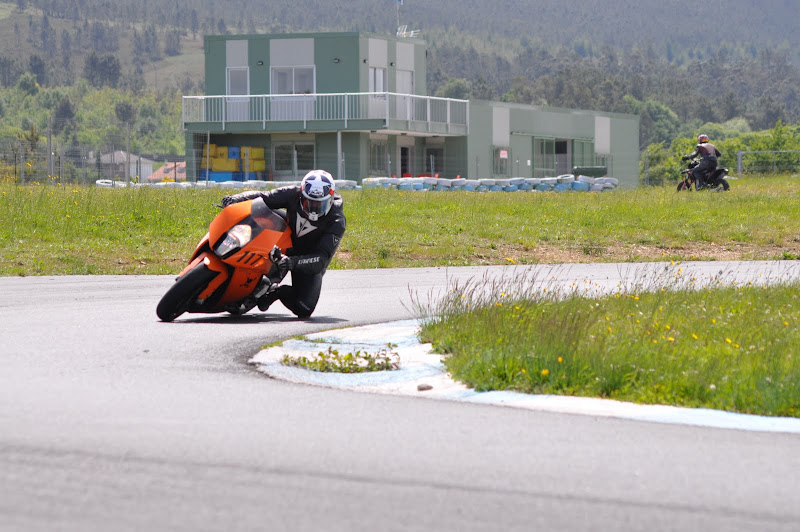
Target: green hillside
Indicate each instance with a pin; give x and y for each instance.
(662, 60)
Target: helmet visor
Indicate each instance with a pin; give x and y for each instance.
(320, 207)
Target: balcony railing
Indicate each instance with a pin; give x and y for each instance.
(437, 113)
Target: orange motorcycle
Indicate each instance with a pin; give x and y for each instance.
(233, 265)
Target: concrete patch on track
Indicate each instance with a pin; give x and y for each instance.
(422, 374)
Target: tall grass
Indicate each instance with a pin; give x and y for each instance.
(85, 230)
(389, 228)
(720, 346)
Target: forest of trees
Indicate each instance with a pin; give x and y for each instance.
(762, 89)
(739, 74)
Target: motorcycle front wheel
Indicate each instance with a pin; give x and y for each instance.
(180, 295)
(684, 185)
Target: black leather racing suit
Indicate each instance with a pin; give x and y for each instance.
(313, 246)
(708, 163)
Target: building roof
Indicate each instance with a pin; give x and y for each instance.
(121, 156)
(169, 172)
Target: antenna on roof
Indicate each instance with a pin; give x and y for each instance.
(402, 31)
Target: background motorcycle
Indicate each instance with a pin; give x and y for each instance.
(232, 266)
(716, 181)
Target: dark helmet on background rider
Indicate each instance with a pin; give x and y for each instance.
(702, 138)
(316, 194)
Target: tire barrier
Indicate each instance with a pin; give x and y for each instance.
(562, 183)
(341, 184)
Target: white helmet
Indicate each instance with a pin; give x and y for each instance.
(316, 194)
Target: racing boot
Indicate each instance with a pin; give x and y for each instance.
(268, 298)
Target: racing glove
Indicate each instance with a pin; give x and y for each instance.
(283, 262)
(242, 196)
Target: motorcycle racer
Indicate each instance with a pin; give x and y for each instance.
(315, 213)
(708, 164)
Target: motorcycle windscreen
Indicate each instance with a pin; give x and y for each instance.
(266, 218)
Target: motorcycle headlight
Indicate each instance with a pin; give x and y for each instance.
(237, 236)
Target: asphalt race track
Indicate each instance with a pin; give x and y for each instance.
(111, 420)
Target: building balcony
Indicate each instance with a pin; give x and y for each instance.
(370, 111)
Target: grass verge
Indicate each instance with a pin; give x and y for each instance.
(728, 347)
(56, 230)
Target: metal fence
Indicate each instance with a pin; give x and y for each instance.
(311, 107)
(23, 163)
(767, 162)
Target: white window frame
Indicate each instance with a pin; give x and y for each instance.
(378, 81)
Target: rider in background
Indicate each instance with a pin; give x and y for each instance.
(316, 218)
(708, 164)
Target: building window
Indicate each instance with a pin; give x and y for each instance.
(583, 153)
(293, 80)
(284, 158)
(238, 82)
(293, 159)
(237, 85)
(544, 157)
(378, 80)
(500, 157)
(434, 161)
(563, 157)
(377, 159)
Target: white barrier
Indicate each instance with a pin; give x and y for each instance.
(563, 183)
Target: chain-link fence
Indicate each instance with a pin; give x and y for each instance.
(25, 162)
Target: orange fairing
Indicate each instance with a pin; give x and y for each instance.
(245, 249)
(226, 219)
(214, 263)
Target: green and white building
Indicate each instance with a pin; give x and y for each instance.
(356, 105)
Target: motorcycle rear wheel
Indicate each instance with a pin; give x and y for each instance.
(722, 184)
(180, 295)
